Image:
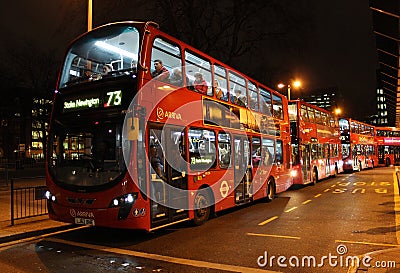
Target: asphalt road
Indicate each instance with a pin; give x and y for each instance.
(307, 229)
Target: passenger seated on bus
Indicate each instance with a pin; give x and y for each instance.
(257, 157)
(177, 77)
(217, 90)
(107, 68)
(238, 98)
(266, 156)
(200, 85)
(160, 72)
(134, 65)
(156, 162)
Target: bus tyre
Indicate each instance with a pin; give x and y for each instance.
(335, 174)
(387, 162)
(315, 176)
(270, 190)
(202, 207)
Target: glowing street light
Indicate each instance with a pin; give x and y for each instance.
(295, 84)
(338, 111)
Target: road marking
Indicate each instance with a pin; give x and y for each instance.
(333, 186)
(268, 220)
(291, 209)
(273, 235)
(327, 190)
(318, 195)
(366, 243)
(397, 205)
(307, 201)
(163, 258)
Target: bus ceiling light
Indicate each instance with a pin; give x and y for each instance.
(116, 50)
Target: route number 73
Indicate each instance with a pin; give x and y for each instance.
(114, 98)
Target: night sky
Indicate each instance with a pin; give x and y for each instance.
(340, 52)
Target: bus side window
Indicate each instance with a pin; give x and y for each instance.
(170, 55)
(195, 65)
(238, 89)
(220, 83)
(224, 150)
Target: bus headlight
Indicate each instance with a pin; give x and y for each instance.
(293, 173)
(127, 199)
(350, 162)
(49, 196)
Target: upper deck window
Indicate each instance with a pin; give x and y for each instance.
(106, 52)
(169, 56)
(238, 89)
(199, 73)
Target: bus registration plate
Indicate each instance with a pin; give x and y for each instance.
(83, 221)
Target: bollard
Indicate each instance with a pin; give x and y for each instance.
(12, 202)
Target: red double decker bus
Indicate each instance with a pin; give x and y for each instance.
(359, 148)
(165, 134)
(388, 141)
(316, 149)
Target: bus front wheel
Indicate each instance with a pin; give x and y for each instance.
(315, 176)
(270, 190)
(202, 207)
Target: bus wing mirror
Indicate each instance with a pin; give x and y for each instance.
(132, 128)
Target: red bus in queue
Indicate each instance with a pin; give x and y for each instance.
(358, 145)
(388, 141)
(131, 151)
(316, 149)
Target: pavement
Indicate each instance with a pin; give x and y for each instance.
(29, 227)
(388, 259)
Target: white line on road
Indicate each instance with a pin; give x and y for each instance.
(163, 258)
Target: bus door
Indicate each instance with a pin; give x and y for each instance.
(381, 154)
(306, 157)
(243, 172)
(327, 155)
(168, 174)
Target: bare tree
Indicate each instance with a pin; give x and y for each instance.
(236, 32)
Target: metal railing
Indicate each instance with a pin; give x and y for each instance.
(28, 198)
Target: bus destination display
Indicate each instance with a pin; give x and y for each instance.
(112, 98)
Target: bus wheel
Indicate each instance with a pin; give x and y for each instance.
(315, 176)
(387, 162)
(202, 207)
(270, 190)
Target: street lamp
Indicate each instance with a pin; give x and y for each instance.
(338, 111)
(90, 13)
(295, 84)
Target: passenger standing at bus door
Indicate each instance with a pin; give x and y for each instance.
(200, 85)
(156, 162)
(160, 71)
